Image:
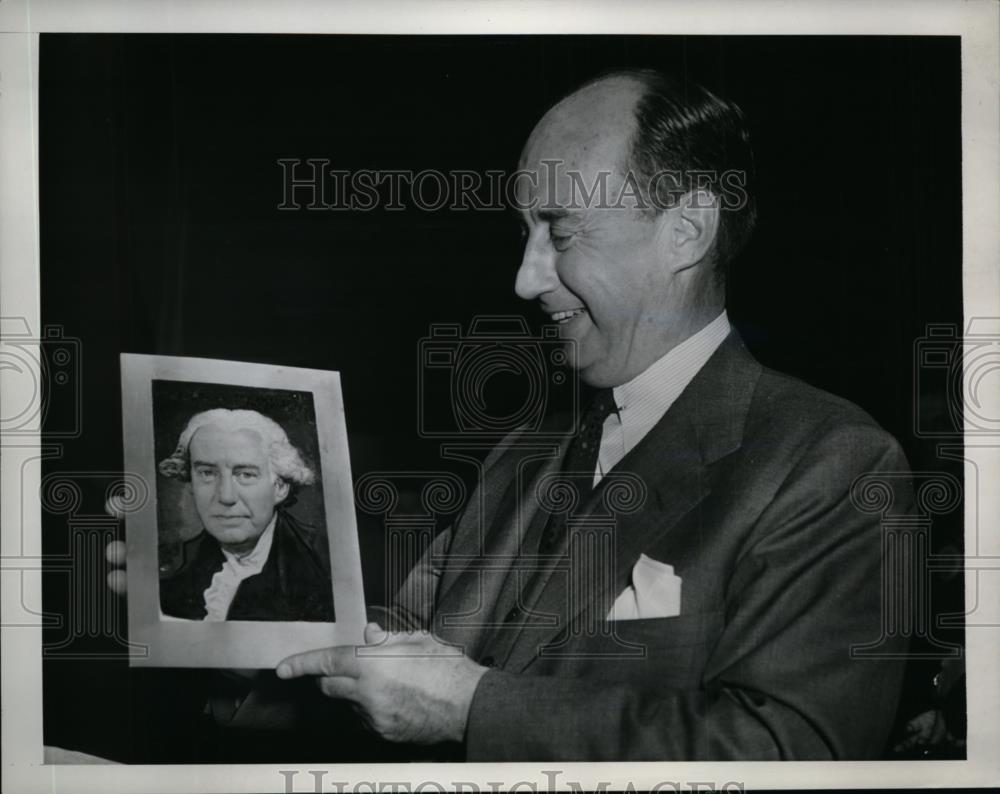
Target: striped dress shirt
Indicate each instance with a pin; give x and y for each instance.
(645, 399)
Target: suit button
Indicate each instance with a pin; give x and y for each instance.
(514, 614)
(488, 661)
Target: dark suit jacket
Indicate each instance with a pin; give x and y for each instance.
(293, 585)
(748, 480)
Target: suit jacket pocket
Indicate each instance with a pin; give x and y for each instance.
(655, 652)
(662, 634)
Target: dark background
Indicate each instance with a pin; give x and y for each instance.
(160, 234)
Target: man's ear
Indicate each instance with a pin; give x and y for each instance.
(280, 490)
(695, 224)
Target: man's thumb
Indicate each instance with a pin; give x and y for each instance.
(374, 633)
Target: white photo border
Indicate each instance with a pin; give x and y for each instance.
(236, 644)
(21, 22)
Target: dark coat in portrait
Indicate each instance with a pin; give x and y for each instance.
(293, 585)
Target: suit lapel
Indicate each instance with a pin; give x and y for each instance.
(672, 461)
(481, 556)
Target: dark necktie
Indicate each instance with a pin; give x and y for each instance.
(581, 460)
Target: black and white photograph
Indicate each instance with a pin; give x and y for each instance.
(601, 400)
(250, 515)
(242, 555)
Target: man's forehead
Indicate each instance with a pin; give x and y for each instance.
(593, 123)
(216, 436)
(583, 139)
(583, 149)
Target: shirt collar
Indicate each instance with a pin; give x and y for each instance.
(647, 397)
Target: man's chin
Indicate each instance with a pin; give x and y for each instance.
(597, 379)
(575, 347)
(231, 537)
(590, 367)
(597, 372)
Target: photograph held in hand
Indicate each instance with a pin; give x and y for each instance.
(252, 560)
(688, 482)
(249, 546)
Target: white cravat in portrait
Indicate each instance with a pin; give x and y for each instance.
(220, 593)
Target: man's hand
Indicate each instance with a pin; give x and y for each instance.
(924, 730)
(407, 687)
(115, 554)
(115, 550)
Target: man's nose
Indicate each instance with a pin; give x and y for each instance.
(537, 274)
(226, 491)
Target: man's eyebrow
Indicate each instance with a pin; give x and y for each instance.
(246, 467)
(204, 463)
(547, 215)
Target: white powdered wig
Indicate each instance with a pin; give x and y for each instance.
(286, 461)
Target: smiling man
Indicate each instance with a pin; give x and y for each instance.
(625, 280)
(252, 560)
(721, 620)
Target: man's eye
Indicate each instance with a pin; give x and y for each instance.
(246, 476)
(560, 241)
(203, 473)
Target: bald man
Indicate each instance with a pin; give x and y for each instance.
(718, 620)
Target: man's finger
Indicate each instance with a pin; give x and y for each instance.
(374, 633)
(339, 687)
(341, 661)
(114, 506)
(115, 552)
(117, 582)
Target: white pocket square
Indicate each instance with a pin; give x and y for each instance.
(655, 592)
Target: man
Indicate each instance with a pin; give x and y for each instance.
(735, 590)
(252, 560)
